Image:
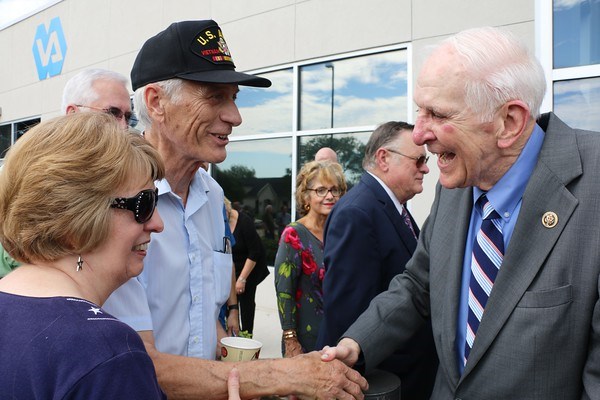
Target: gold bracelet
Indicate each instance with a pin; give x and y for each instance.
(290, 334)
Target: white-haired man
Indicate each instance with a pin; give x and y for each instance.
(185, 90)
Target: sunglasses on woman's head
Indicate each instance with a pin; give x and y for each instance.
(142, 205)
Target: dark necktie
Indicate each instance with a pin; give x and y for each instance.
(488, 253)
(407, 221)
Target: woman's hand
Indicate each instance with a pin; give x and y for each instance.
(292, 347)
(240, 286)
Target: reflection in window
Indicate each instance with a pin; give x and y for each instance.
(22, 127)
(257, 174)
(11, 132)
(350, 149)
(359, 91)
(576, 32)
(577, 102)
(267, 110)
(5, 141)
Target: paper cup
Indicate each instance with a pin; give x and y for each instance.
(239, 349)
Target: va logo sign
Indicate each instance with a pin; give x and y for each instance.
(49, 49)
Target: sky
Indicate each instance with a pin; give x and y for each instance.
(12, 11)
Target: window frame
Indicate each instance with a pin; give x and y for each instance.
(544, 43)
(295, 133)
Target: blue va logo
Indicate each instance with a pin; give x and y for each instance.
(49, 49)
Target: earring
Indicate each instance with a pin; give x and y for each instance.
(79, 263)
(307, 207)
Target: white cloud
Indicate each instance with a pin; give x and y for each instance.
(566, 4)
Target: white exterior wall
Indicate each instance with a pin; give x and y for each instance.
(260, 34)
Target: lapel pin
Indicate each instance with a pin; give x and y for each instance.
(549, 219)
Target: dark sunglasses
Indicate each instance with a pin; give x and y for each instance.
(420, 160)
(116, 112)
(142, 205)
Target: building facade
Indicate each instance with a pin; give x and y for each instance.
(339, 68)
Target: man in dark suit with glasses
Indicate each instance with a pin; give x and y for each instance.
(369, 237)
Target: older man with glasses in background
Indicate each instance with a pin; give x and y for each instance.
(99, 90)
(369, 237)
(91, 90)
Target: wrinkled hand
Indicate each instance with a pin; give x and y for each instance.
(292, 347)
(315, 378)
(347, 351)
(233, 384)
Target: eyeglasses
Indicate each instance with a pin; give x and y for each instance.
(116, 112)
(322, 191)
(420, 160)
(142, 205)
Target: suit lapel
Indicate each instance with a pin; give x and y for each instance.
(391, 211)
(452, 225)
(546, 191)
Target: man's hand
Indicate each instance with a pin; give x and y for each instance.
(325, 380)
(347, 351)
(233, 384)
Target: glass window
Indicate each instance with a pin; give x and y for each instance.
(257, 177)
(577, 102)
(10, 133)
(576, 32)
(350, 149)
(267, 110)
(359, 91)
(5, 139)
(24, 126)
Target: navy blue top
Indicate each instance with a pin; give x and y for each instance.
(69, 348)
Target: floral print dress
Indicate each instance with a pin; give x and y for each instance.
(299, 273)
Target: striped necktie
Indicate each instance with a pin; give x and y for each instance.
(488, 253)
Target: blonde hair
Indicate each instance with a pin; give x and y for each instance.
(58, 182)
(228, 207)
(326, 171)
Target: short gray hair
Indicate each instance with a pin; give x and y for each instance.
(381, 136)
(80, 88)
(171, 87)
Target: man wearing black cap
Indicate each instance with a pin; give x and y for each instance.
(185, 89)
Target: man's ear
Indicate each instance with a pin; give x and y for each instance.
(382, 159)
(154, 105)
(71, 108)
(515, 120)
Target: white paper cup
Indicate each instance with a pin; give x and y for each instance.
(239, 349)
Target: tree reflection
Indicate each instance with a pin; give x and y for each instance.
(349, 149)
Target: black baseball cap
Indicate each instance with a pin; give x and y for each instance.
(192, 50)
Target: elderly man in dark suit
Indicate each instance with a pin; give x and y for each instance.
(369, 237)
(507, 264)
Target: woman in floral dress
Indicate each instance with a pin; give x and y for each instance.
(299, 268)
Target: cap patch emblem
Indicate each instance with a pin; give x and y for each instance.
(210, 45)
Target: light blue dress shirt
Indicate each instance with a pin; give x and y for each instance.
(187, 274)
(506, 197)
